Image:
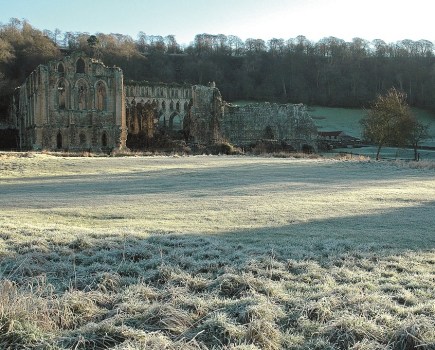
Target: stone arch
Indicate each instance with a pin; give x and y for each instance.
(60, 68)
(59, 141)
(62, 94)
(175, 122)
(80, 66)
(101, 96)
(82, 95)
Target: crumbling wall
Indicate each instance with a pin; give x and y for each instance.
(206, 115)
(169, 103)
(193, 113)
(290, 123)
(78, 103)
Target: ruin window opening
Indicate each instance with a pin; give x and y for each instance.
(104, 140)
(177, 106)
(60, 69)
(101, 97)
(80, 66)
(163, 105)
(82, 99)
(59, 140)
(171, 106)
(61, 95)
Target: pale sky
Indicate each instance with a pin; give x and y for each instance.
(389, 20)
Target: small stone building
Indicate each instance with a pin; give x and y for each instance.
(76, 103)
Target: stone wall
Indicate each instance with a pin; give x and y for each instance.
(206, 115)
(194, 112)
(152, 105)
(290, 123)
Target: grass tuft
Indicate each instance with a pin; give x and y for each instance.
(417, 333)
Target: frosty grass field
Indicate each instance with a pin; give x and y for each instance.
(216, 253)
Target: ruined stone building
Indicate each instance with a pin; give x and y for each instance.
(190, 112)
(77, 103)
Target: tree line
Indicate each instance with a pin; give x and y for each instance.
(329, 72)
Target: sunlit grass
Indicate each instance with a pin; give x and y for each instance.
(215, 252)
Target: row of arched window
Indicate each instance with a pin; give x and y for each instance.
(151, 91)
(79, 98)
(82, 139)
(162, 106)
(80, 67)
(177, 106)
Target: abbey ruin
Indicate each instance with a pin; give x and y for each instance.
(77, 103)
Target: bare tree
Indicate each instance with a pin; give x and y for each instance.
(417, 133)
(388, 120)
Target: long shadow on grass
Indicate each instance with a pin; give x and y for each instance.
(232, 179)
(301, 278)
(62, 261)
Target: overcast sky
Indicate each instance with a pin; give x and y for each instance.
(389, 20)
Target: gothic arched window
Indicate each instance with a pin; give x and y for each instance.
(101, 96)
(60, 68)
(80, 66)
(82, 95)
(61, 90)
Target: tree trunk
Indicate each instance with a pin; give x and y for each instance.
(284, 89)
(378, 152)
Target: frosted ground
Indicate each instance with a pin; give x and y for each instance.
(216, 252)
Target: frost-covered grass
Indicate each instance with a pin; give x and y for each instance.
(216, 253)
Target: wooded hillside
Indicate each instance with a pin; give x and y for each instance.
(330, 72)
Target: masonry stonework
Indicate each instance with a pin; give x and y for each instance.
(288, 123)
(77, 103)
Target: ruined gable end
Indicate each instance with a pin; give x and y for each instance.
(76, 103)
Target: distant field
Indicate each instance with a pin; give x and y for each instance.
(213, 252)
(347, 119)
